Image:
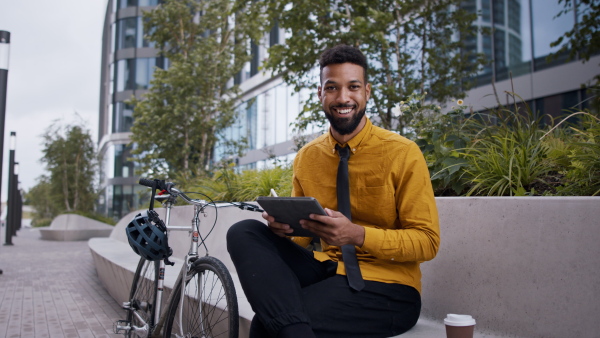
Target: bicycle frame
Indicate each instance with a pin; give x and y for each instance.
(192, 255)
(199, 207)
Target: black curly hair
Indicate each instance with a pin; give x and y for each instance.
(342, 54)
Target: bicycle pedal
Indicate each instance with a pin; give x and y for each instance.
(126, 305)
(122, 326)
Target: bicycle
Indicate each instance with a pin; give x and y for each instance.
(207, 307)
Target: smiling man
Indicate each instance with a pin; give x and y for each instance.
(381, 223)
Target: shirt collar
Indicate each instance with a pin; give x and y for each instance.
(356, 141)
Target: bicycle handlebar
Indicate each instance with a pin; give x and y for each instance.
(169, 187)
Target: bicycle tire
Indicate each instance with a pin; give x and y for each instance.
(142, 296)
(204, 319)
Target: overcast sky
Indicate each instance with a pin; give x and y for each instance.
(54, 73)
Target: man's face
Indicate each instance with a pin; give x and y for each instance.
(344, 95)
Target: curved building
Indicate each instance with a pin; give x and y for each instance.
(128, 62)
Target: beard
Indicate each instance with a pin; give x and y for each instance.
(345, 126)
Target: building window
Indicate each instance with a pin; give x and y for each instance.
(255, 62)
(141, 36)
(498, 12)
(123, 166)
(126, 33)
(122, 117)
(547, 28)
(486, 13)
(148, 3)
(125, 75)
(126, 3)
(274, 35)
(144, 72)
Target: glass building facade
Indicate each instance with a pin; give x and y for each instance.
(128, 64)
(515, 40)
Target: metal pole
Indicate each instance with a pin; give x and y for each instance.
(19, 204)
(11, 167)
(4, 53)
(14, 200)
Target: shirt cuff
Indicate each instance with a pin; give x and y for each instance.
(373, 240)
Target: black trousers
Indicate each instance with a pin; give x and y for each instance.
(286, 285)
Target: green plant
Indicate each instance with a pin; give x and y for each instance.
(228, 185)
(582, 175)
(507, 157)
(40, 222)
(95, 216)
(443, 143)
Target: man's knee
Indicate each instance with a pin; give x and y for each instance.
(241, 231)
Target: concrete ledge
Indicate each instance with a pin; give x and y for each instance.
(521, 266)
(72, 227)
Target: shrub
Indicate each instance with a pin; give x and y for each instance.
(507, 157)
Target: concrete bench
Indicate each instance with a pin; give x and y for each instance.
(525, 266)
(72, 227)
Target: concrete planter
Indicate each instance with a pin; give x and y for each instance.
(521, 266)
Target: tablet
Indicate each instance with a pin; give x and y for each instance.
(290, 210)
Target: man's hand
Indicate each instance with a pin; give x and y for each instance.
(279, 229)
(335, 228)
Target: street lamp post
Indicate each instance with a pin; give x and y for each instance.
(20, 204)
(11, 174)
(13, 202)
(4, 53)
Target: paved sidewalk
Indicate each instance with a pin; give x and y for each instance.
(51, 289)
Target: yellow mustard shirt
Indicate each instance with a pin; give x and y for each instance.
(390, 195)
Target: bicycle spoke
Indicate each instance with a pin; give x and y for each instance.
(205, 308)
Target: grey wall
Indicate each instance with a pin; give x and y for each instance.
(524, 266)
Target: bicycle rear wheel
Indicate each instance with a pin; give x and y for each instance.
(209, 303)
(143, 298)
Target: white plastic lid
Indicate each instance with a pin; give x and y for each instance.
(459, 320)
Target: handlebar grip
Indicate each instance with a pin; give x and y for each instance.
(147, 182)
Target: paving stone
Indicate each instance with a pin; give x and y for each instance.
(51, 289)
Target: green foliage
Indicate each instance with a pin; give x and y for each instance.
(507, 156)
(409, 46)
(69, 157)
(582, 175)
(228, 185)
(178, 121)
(443, 143)
(40, 222)
(40, 197)
(95, 216)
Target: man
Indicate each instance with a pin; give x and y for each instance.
(391, 224)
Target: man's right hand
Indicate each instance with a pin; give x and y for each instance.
(278, 229)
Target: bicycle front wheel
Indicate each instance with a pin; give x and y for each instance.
(209, 307)
(142, 299)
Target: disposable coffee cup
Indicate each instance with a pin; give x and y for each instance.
(459, 326)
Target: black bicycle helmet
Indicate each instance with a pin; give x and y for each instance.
(147, 237)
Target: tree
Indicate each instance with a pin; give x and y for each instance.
(41, 199)
(178, 121)
(70, 158)
(413, 47)
(584, 38)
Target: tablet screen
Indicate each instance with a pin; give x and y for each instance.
(290, 210)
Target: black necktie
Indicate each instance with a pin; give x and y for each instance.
(355, 279)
